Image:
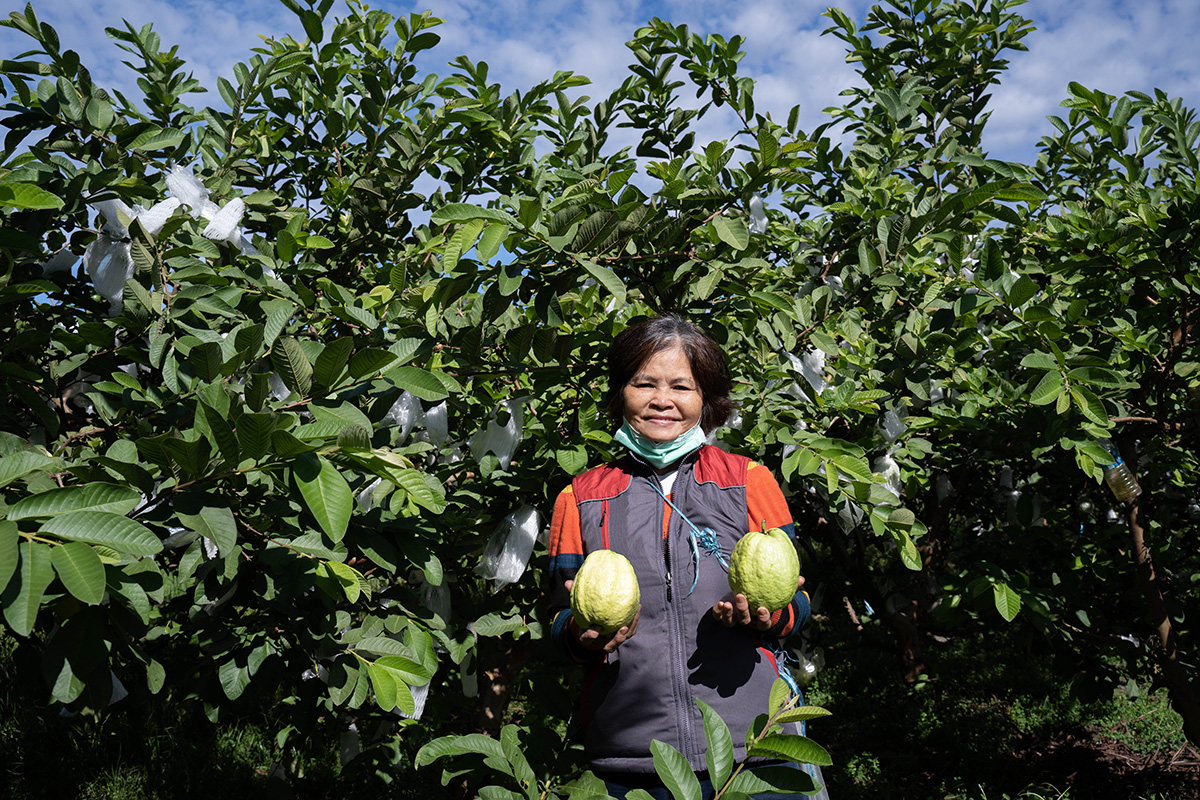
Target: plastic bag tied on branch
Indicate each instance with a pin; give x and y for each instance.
(508, 550)
(501, 440)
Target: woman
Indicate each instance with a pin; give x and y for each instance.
(674, 507)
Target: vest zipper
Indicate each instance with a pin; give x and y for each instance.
(667, 563)
(666, 547)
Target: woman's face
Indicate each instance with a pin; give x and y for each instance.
(662, 399)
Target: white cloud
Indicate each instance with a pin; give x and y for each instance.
(211, 36)
(1114, 48)
(1113, 45)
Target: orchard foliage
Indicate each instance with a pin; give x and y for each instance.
(341, 324)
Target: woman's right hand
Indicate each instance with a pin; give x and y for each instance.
(593, 639)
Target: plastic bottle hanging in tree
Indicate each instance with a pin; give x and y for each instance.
(1121, 480)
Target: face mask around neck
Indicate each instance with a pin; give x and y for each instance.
(660, 454)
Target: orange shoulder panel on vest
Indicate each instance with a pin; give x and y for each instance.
(714, 465)
(601, 483)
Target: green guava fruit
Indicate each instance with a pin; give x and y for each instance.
(605, 592)
(764, 567)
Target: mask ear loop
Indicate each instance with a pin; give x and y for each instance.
(706, 538)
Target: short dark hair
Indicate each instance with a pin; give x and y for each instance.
(634, 346)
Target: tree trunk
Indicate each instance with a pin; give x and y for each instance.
(500, 663)
(1183, 697)
(903, 621)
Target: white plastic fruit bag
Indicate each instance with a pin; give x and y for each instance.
(508, 550)
(501, 440)
(404, 414)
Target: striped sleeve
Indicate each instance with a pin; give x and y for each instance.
(566, 557)
(767, 506)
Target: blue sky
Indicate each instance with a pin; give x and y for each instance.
(1113, 45)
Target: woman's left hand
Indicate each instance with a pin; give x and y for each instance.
(735, 610)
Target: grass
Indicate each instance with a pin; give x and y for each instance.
(979, 729)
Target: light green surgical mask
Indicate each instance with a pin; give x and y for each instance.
(659, 454)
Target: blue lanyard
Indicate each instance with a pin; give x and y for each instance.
(706, 538)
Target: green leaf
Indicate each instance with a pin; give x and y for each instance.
(719, 756)
(1022, 291)
(314, 242)
(1095, 452)
(80, 570)
(909, 555)
(573, 460)
(332, 361)
(489, 243)
(508, 281)
(732, 231)
(419, 487)
(776, 778)
(521, 770)
(1039, 360)
(606, 278)
(369, 361)
(801, 462)
(132, 595)
(1101, 376)
(286, 445)
(287, 356)
(346, 576)
(496, 624)
(192, 456)
(10, 553)
(1048, 389)
(390, 689)
(1089, 404)
(675, 772)
(234, 678)
(27, 195)
(325, 492)
(1008, 602)
(781, 693)
(329, 420)
(856, 468)
(796, 748)
(354, 437)
(1019, 192)
(158, 139)
(314, 544)
(22, 598)
(461, 212)
(94, 496)
(104, 528)
(156, 676)
(417, 381)
(254, 434)
(18, 465)
(206, 361)
(801, 714)
(222, 434)
(458, 746)
(215, 524)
